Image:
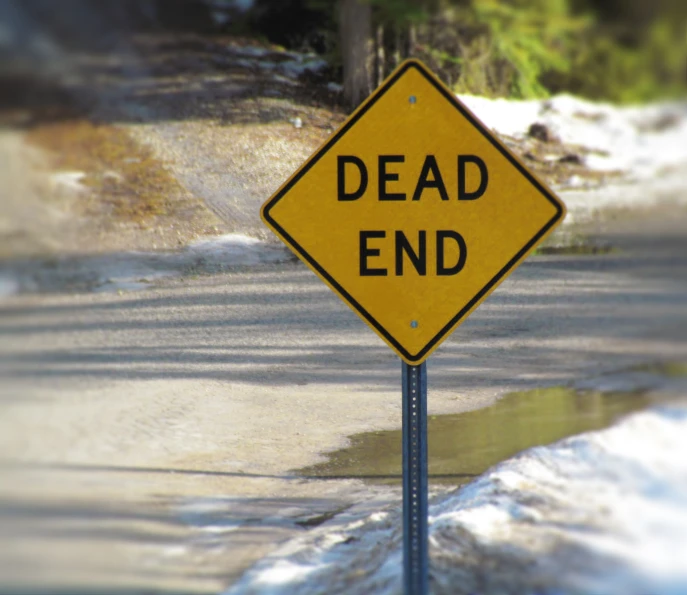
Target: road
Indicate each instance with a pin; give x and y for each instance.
(148, 439)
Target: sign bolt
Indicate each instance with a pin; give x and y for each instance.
(412, 99)
(413, 324)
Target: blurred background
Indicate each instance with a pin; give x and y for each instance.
(618, 50)
(70, 70)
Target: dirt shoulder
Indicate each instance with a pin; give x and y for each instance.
(76, 187)
(94, 165)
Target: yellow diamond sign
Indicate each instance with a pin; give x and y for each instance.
(413, 212)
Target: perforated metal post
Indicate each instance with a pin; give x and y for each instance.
(415, 480)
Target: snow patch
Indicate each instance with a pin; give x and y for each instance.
(637, 140)
(238, 250)
(282, 63)
(305, 63)
(132, 271)
(70, 181)
(284, 572)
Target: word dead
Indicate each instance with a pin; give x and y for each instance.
(371, 242)
(430, 177)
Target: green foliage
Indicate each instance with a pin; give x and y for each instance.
(620, 50)
(489, 47)
(604, 68)
(527, 38)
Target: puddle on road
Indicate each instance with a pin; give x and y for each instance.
(463, 446)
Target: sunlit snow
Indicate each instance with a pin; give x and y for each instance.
(603, 513)
(637, 140)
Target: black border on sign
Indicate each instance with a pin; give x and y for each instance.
(419, 356)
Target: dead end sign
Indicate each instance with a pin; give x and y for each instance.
(413, 212)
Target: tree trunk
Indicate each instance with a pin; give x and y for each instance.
(378, 56)
(355, 27)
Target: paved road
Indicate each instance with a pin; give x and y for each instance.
(147, 439)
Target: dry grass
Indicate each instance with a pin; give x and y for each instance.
(127, 182)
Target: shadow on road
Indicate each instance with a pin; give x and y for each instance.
(251, 326)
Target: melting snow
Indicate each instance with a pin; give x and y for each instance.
(131, 271)
(646, 144)
(238, 250)
(603, 513)
(68, 180)
(638, 140)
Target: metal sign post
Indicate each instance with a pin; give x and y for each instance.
(415, 480)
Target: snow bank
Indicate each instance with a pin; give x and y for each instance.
(638, 140)
(644, 148)
(603, 513)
